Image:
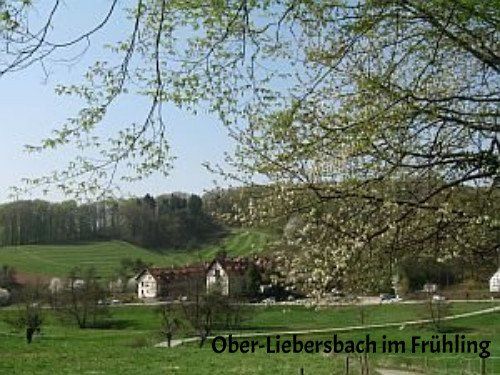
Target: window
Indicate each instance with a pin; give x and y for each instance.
(217, 274)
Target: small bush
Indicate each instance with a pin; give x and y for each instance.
(139, 342)
(4, 297)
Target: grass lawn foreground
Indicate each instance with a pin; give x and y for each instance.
(129, 345)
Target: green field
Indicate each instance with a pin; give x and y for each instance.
(129, 347)
(58, 260)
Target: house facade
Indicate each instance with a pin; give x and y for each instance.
(171, 283)
(222, 274)
(227, 275)
(217, 278)
(148, 283)
(495, 282)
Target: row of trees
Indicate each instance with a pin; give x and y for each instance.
(82, 301)
(175, 220)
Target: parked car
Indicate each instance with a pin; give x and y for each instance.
(438, 298)
(386, 297)
(389, 298)
(279, 293)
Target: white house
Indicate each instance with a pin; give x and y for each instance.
(148, 285)
(77, 283)
(222, 274)
(171, 282)
(56, 285)
(430, 288)
(227, 275)
(217, 278)
(495, 282)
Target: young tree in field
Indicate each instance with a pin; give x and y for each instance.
(170, 322)
(210, 312)
(29, 316)
(32, 319)
(435, 309)
(83, 299)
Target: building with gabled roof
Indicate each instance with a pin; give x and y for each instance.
(495, 282)
(227, 275)
(171, 283)
(224, 274)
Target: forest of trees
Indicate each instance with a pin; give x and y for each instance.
(168, 221)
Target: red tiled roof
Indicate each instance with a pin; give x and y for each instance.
(171, 273)
(231, 265)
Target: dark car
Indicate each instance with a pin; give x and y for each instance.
(387, 297)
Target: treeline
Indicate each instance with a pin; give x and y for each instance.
(167, 221)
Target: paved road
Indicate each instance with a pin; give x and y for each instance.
(294, 303)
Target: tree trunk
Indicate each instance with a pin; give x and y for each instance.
(29, 335)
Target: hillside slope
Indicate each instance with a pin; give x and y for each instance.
(58, 260)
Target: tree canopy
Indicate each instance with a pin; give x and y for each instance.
(378, 87)
(168, 221)
(388, 107)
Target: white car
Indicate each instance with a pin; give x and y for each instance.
(437, 297)
(269, 301)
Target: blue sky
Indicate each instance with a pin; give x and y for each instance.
(29, 110)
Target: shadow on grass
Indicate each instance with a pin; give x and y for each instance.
(454, 329)
(113, 324)
(256, 328)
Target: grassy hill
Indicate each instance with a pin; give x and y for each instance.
(58, 260)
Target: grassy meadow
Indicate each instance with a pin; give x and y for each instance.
(128, 346)
(58, 260)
